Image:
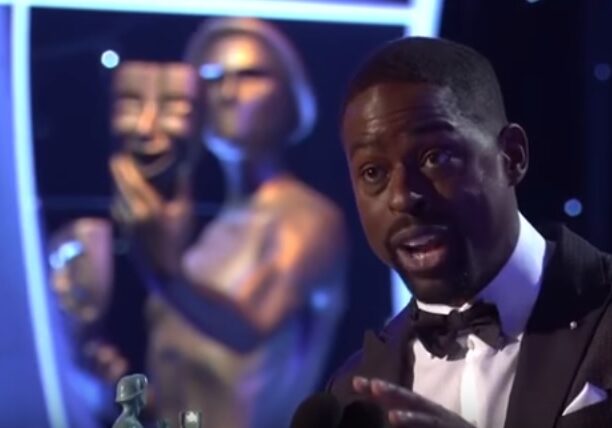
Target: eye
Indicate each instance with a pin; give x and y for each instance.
(128, 103)
(373, 174)
(177, 107)
(254, 73)
(437, 158)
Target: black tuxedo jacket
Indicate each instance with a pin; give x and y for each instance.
(567, 342)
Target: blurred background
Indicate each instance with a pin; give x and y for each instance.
(553, 59)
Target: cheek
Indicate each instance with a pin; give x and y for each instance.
(257, 97)
(468, 195)
(475, 208)
(124, 124)
(270, 115)
(374, 223)
(175, 126)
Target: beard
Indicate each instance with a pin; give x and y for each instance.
(453, 287)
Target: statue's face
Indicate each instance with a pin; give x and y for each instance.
(152, 107)
(246, 100)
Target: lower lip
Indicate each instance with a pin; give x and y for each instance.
(150, 148)
(428, 261)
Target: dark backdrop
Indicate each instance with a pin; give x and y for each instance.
(544, 52)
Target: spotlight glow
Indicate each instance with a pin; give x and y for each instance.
(602, 72)
(573, 207)
(110, 59)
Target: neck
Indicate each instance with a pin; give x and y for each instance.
(506, 244)
(244, 176)
(130, 410)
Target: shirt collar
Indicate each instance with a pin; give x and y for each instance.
(515, 288)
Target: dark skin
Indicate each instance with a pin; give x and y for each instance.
(435, 191)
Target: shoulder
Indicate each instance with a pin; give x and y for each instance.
(340, 383)
(127, 422)
(576, 260)
(313, 217)
(304, 199)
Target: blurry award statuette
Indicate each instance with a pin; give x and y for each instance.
(131, 394)
(269, 267)
(190, 419)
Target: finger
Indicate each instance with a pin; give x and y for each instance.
(407, 418)
(122, 213)
(361, 385)
(119, 165)
(392, 396)
(111, 363)
(117, 209)
(118, 368)
(134, 189)
(183, 184)
(121, 177)
(131, 183)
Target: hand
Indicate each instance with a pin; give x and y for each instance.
(81, 269)
(405, 408)
(105, 361)
(158, 228)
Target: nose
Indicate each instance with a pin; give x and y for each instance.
(146, 120)
(228, 89)
(404, 198)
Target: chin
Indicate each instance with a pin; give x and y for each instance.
(438, 290)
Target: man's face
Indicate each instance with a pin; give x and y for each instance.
(152, 107)
(431, 189)
(246, 100)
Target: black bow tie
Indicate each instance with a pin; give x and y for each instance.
(439, 333)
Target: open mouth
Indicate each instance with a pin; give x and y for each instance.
(154, 164)
(151, 157)
(422, 250)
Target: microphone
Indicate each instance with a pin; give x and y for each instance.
(321, 410)
(363, 414)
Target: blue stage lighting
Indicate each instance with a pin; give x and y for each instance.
(110, 59)
(573, 207)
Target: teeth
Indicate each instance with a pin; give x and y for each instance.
(420, 241)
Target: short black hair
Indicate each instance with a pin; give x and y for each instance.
(468, 75)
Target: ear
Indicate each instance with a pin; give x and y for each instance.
(515, 151)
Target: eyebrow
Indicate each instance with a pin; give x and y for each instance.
(175, 97)
(424, 128)
(128, 94)
(361, 145)
(432, 126)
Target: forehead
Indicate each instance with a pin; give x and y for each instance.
(145, 78)
(237, 51)
(386, 106)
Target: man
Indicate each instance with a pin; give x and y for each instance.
(507, 327)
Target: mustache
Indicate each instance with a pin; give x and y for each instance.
(406, 222)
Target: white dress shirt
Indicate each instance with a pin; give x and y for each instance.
(477, 383)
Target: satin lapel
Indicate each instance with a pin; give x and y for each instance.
(387, 355)
(558, 333)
